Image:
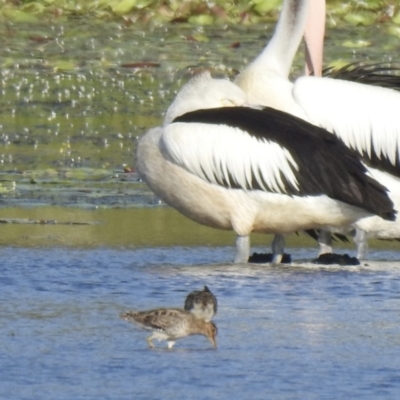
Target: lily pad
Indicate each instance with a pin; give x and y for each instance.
(63, 65)
(7, 187)
(18, 16)
(362, 18)
(266, 6)
(201, 20)
(198, 37)
(123, 7)
(394, 30)
(396, 18)
(337, 64)
(356, 44)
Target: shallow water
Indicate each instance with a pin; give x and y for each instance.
(284, 332)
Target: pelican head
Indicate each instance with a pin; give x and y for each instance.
(203, 92)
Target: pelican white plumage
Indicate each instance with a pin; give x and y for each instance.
(238, 168)
(363, 116)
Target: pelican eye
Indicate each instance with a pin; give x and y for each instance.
(228, 103)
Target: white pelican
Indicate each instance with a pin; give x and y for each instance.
(365, 117)
(250, 170)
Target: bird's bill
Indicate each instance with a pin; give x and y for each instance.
(213, 341)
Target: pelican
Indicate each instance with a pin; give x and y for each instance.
(364, 117)
(233, 167)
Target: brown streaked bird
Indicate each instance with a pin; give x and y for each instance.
(202, 303)
(171, 324)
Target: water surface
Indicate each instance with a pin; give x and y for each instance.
(284, 332)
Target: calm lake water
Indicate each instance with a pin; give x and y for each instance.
(73, 98)
(299, 332)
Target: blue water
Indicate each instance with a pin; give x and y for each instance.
(298, 332)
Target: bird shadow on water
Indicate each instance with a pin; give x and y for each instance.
(177, 350)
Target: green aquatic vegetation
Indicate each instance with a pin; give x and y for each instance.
(356, 44)
(71, 174)
(196, 12)
(75, 94)
(7, 187)
(396, 18)
(394, 31)
(361, 18)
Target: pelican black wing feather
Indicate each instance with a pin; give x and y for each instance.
(375, 74)
(326, 165)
